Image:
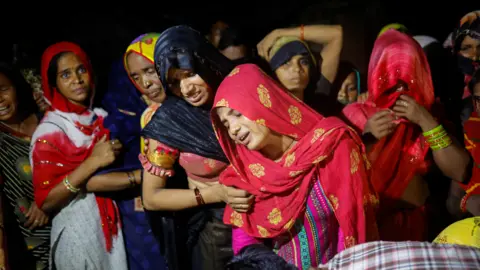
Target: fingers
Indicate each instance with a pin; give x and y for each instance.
(406, 98)
(380, 115)
(30, 210)
(29, 221)
(116, 145)
(241, 208)
(103, 139)
(233, 192)
(240, 200)
(399, 109)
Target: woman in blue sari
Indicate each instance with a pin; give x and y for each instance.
(125, 106)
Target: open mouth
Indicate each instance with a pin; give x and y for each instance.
(196, 97)
(243, 139)
(4, 110)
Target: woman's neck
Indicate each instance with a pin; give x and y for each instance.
(24, 124)
(277, 146)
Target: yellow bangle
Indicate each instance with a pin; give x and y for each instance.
(69, 186)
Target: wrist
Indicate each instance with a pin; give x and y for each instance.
(427, 123)
(92, 164)
(209, 195)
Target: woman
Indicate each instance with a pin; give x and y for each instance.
(68, 147)
(125, 106)
(399, 131)
(307, 172)
(190, 69)
(27, 226)
(296, 67)
(466, 50)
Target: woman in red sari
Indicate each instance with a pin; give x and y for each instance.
(400, 98)
(307, 172)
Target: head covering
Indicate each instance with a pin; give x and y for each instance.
(397, 157)
(424, 41)
(125, 106)
(185, 48)
(465, 232)
(469, 26)
(176, 123)
(56, 100)
(281, 188)
(396, 26)
(65, 138)
(143, 45)
(287, 47)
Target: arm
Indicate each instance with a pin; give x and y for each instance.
(330, 36)
(113, 181)
(156, 197)
(59, 196)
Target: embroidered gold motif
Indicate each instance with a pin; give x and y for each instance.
(222, 103)
(368, 165)
(295, 115)
(319, 159)
(257, 169)
(350, 241)
(442, 239)
(316, 134)
(354, 161)
(46, 183)
(334, 201)
(275, 216)
(290, 159)
(264, 96)
(295, 173)
(260, 122)
(289, 224)
(262, 231)
(236, 219)
(234, 71)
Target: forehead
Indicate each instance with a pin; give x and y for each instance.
(68, 60)
(223, 111)
(468, 40)
(137, 61)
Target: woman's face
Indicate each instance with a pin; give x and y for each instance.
(470, 48)
(8, 99)
(142, 71)
(189, 86)
(73, 80)
(294, 74)
(348, 91)
(243, 130)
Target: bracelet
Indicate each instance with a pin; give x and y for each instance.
(469, 192)
(69, 186)
(131, 178)
(163, 157)
(302, 32)
(437, 138)
(199, 197)
(153, 168)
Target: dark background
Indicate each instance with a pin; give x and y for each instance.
(105, 31)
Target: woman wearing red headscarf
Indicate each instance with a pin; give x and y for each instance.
(68, 147)
(400, 98)
(307, 172)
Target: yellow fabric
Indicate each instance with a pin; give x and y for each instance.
(146, 117)
(285, 40)
(143, 45)
(396, 26)
(464, 232)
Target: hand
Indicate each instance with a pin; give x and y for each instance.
(362, 98)
(380, 124)
(41, 103)
(35, 217)
(138, 176)
(264, 46)
(238, 199)
(473, 205)
(409, 109)
(105, 152)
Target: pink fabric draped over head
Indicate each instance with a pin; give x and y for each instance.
(281, 188)
(399, 156)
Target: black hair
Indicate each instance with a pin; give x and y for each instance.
(24, 92)
(256, 257)
(53, 69)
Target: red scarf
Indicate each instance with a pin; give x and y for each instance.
(399, 156)
(281, 188)
(61, 147)
(472, 143)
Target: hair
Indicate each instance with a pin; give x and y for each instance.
(53, 69)
(258, 257)
(24, 92)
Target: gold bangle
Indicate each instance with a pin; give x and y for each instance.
(163, 160)
(69, 186)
